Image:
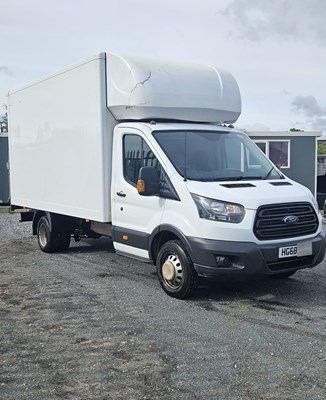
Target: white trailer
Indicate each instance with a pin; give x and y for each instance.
(142, 150)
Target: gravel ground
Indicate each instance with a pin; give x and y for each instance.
(87, 324)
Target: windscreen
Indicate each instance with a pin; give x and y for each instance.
(215, 156)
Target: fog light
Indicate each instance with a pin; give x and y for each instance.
(229, 262)
(224, 262)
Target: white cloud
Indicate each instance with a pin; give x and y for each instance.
(255, 127)
(284, 51)
(5, 71)
(278, 19)
(309, 107)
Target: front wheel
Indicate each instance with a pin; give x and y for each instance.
(175, 270)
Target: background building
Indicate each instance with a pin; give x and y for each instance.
(294, 153)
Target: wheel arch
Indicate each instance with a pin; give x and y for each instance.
(37, 216)
(57, 222)
(163, 234)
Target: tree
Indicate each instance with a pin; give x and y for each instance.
(321, 149)
(296, 130)
(4, 120)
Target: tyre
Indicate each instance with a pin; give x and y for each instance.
(63, 241)
(46, 239)
(49, 241)
(175, 270)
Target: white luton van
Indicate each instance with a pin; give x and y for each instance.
(144, 151)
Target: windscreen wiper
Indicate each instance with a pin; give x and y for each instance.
(229, 178)
(239, 178)
(268, 174)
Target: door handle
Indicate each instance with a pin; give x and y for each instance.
(121, 194)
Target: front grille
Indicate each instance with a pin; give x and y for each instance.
(270, 225)
(293, 263)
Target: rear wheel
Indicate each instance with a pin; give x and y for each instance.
(63, 241)
(50, 241)
(175, 270)
(45, 237)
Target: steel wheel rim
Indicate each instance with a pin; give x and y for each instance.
(42, 235)
(175, 281)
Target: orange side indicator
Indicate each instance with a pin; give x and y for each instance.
(140, 186)
(125, 237)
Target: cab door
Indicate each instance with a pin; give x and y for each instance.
(134, 217)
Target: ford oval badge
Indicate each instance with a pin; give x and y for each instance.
(291, 219)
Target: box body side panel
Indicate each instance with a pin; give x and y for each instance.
(58, 130)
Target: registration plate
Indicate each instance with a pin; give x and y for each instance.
(297, 250)
(289, 251)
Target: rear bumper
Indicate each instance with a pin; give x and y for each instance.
(249, 259)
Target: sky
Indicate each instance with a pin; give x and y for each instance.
(276, 49)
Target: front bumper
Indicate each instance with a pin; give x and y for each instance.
(249, 259)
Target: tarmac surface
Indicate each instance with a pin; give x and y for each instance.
(88, 324)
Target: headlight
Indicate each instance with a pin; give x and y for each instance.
(216, 210)
(314, 202)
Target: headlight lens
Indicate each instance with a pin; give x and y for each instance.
(216, 210)
(314, 202)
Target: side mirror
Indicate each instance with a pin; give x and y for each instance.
(148, 181)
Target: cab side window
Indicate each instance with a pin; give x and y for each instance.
(137, 154)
